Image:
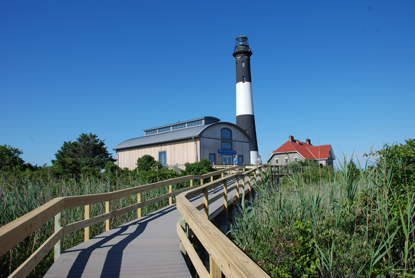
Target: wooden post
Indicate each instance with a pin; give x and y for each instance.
(225, 195)
(107, 210)
(139, 211)
(237, 187)
(211, 178)
(201, 181)
(249, 182)
(170, 191)
(87, 215)
(58, 225)
(244, 184)
(215, 271)
(206, 202)
(191, 182)
(223, 175)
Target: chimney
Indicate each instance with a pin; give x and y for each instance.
(291, 138)
(308, 141)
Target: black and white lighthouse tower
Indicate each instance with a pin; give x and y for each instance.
(244, 102)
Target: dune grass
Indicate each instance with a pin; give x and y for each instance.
(347, 226)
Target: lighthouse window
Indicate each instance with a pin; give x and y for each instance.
(243, 79)
(243, 64)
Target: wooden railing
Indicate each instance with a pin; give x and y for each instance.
(224, 256)
(16, 231)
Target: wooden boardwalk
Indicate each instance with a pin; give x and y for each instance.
(145, 247)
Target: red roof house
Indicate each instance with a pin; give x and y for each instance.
(295, 150)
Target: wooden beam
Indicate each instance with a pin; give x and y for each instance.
(58, 226)
(171, 191)
(139, 212)
(87, 215)
(108, 210)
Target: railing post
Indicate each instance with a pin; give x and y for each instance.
(201, 181)
(237, 187)
(107, 210)
(211, 178)
(139, 211)
(58, 225)
(215, 271)
(191, 182)
(170, 191)
(225, 195)
(87, 215)
(222, 175)
(244, 183)
(206, 202)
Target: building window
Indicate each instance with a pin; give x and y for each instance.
(226, 145)
(226, 134)
(212, 158)
(286, 160)
(162, 158)
(179, 126)
(243, 64)
(295, 159)
(195, 123)
(151, 132)
(164, 129)
(241, 160)
(276, 161)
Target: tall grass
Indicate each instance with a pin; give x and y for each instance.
(20, 196)
(347, 226)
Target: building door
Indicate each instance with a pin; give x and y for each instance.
(227, 159)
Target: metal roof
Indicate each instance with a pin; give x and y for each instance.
(180, 134)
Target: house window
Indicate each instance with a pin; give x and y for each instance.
(226, 145)
(212, 158)
(286, 160)
(295, 159)
(276, 161)
(162, 158)
(226, 133)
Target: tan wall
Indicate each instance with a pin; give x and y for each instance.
(179, 152)
(189, 151)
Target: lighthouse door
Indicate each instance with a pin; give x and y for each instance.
(227, 159)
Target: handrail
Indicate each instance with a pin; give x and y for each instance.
(14, 232)
(224, 256)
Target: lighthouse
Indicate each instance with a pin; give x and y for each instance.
(244, 102)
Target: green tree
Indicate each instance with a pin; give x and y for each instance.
(87, 151)
(400, 158)
(147, 162)
(10, 160)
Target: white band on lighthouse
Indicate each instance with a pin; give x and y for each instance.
(244, 103)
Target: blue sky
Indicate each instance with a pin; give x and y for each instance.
(337, 72)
